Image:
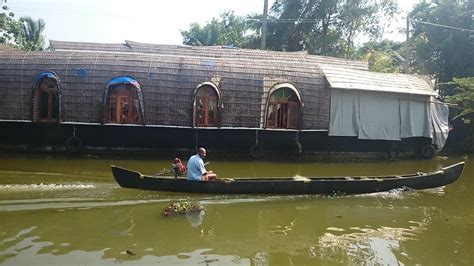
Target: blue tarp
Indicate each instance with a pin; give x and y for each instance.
(122, 80)
(45, 74)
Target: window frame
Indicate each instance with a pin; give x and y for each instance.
(123, 87)
(278, 119)
(208, 99)
(132, 111)
(52, 90)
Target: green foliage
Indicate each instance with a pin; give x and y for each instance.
(32, 31)
(318, 26)
(228, 29)
(10, 29)
(439, 51)
(327, 27)
(381, 56)
(24, 33)
(463, 93)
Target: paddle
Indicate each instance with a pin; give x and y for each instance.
(169, 171)
(163, 172)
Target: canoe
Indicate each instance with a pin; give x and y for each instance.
(298, 185)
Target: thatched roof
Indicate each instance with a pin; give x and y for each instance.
(168, 83)
(88, 46)
(351, 79)
(207, 51)
(5, 48)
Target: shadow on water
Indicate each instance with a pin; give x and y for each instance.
(80, 216)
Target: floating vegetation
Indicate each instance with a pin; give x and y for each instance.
(181, 208)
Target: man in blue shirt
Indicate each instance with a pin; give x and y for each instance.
(196, 169)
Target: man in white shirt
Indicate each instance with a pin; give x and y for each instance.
(196, 169)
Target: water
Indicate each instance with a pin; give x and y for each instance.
(63, 211)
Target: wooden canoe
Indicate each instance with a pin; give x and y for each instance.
(300, 185)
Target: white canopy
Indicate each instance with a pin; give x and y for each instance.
(380, 106)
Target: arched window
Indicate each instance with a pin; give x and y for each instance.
(123, 101)
(206, 106)
(284, 109)
(46, 100)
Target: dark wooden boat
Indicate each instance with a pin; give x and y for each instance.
(299, 185)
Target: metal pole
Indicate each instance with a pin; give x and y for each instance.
(407, 49)
(264, 25)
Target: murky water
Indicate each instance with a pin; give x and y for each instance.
(62, 211)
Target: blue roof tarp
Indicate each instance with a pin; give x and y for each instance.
(45, 74)
(123, 80)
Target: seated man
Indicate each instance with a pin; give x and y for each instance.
(196, 169)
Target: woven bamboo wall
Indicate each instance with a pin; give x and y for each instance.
(167, 82)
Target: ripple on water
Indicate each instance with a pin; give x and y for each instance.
(44, 187)
(68, 203)
(399, 193)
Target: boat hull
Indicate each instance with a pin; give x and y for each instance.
(317, 185)
(166, 140)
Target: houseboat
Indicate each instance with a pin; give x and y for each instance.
(79, 97)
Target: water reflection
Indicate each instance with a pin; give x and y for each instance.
(195, 218)
(379, 245)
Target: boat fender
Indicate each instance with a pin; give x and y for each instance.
(427, 151)
(256, 151)
(297, 148)
(73, 144)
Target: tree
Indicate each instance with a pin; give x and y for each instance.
(24, 33)
(253, 28)
(32, 30)
(363, 17)
(318, 26)
(228, 29)
(327, 27)
(382, 56)
(463, 94)
(284, 32)
(443, 47)
(10, 29)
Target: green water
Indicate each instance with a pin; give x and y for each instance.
(69, 211)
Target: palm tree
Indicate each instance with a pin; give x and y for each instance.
(32, 31)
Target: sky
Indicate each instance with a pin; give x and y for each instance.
(149, 21)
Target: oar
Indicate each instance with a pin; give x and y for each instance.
(169, 171)
(163, 172)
